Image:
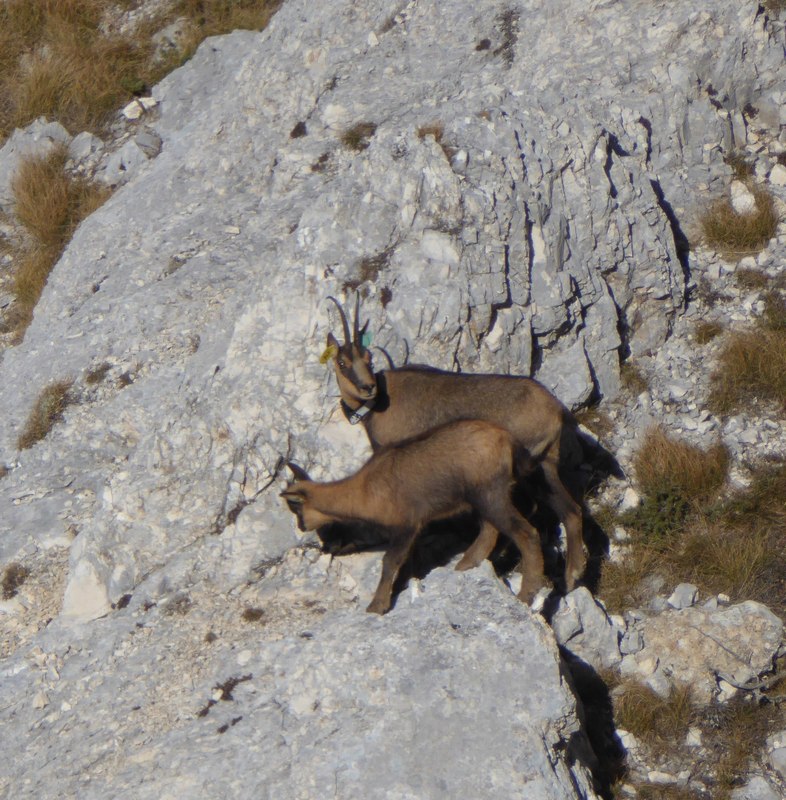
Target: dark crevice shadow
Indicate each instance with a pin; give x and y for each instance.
(607, 757)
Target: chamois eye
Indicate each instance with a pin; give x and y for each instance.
(342, 363)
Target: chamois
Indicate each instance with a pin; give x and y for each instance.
(398, 404)
(463, 465)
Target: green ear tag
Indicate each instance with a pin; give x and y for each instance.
(365, 339)
(331, 351)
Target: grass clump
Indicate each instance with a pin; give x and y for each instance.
(47, 410)
(753, 363)
(14, 576)
(58, 62)
(63, 60)
(654, 720)
(50, 203)
(751, 279)
(675, 478)
(437, 130)
(633, 379)
(735, 235)
(357, 137)
(707, 331)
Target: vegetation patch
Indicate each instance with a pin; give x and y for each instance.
(358, 137)
(633, 379)
(50, 203)
(674, 478)
(751, 279)
(706, 331)
(63, 60)
(654, 720)
(437, 130)
(97, 374)
(752, 363)
(14, 575)
(735, 235)
(47, 410)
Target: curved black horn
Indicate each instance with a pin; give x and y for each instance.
(355, 331)
(298, 472)
(343, 320)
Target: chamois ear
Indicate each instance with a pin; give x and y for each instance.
(298, 472)
(294, 498)
(333, 342)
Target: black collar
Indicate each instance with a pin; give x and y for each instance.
(359, 413)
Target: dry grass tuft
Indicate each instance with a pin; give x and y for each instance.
(14, 576)
(49, 203)
(752, 364)
(633, 379)
(59, 59)
(707, 331)
(751, 279)
(437, 130)
(654, 720)
(735, 235)
(675, 478)
(48, 410)
(357, 137)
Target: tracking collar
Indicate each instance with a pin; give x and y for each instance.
(359, 414)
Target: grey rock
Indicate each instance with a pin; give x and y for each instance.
(693, 645)
(582, 626)
(684, 596)
(757, 788)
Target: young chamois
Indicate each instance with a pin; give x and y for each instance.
(395, 405)
(463, 465)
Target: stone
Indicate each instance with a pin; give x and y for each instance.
(757, 788)
(582, 626)
(777, 175)
(742, 199)
(684, 596)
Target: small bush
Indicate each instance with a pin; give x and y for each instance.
(59, 58)
(48, 410)
(14, 576)
(656, 721)
(750, 279)
(707, 331)
(437, 130)
(50, 203)
(735, 235)
(663, 464)
(357, 137)
(751, 365)
(633, 379)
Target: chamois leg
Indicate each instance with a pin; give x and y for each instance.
(480, 549)
(569, 513)
(500, 512)
(527, 539)
(394, 558)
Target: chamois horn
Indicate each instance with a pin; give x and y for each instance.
(298, 472)
(344, 322)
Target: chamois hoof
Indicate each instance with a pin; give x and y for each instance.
(466, 563)
(377, 607)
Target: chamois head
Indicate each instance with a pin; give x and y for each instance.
(297, 498)
(352, 360)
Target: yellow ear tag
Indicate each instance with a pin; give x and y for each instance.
(331, 351)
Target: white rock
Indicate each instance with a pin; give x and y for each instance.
(742, 199)
(778, 175)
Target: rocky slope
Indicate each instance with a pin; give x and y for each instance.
(516, 201)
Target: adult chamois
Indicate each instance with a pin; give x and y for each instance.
(398, 404)
(461, 466)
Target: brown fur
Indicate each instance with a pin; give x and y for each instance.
(463, 465)
(410, 401)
